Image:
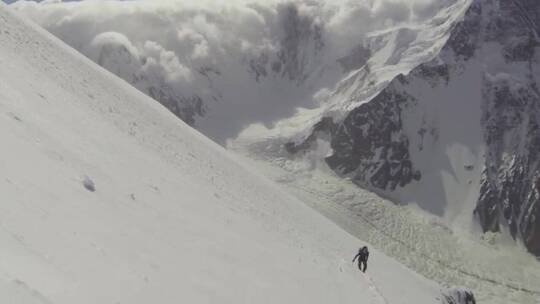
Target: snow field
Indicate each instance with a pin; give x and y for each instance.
(494, 268)
(172, 216)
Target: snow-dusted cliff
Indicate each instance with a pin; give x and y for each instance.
(459, 134)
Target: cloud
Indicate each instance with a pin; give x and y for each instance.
(216, 50)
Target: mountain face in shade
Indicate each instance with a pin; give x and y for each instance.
(459, 130)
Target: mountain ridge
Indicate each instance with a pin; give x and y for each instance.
(484, 80)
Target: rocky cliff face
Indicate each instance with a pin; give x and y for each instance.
(371, 145)
(467, 120)
(509, 194)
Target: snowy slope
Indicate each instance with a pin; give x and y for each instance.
(498, 271)
(172, 217)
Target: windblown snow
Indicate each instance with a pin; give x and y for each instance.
(106, 197)
(224, 65)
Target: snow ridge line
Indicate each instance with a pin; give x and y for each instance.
(446, 265)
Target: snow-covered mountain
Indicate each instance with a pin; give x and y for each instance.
(106, 197)
(440, 111)
(459, 133)
(408, 119)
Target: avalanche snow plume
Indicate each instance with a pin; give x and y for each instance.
(223, 65)
(106, 197)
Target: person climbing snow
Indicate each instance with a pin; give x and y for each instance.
(362, 255)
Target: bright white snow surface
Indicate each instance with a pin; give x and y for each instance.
(106, 197)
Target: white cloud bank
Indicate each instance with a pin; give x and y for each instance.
(208, 54)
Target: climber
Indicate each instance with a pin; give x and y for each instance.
(362, 255)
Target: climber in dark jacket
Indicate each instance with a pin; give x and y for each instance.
(362, 256)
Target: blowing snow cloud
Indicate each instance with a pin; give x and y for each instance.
(222, 65)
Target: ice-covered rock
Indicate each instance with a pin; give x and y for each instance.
(458, 296)
(88, 184)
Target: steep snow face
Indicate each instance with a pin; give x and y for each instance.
(223, 65)
(459, 133)
(106, 197)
